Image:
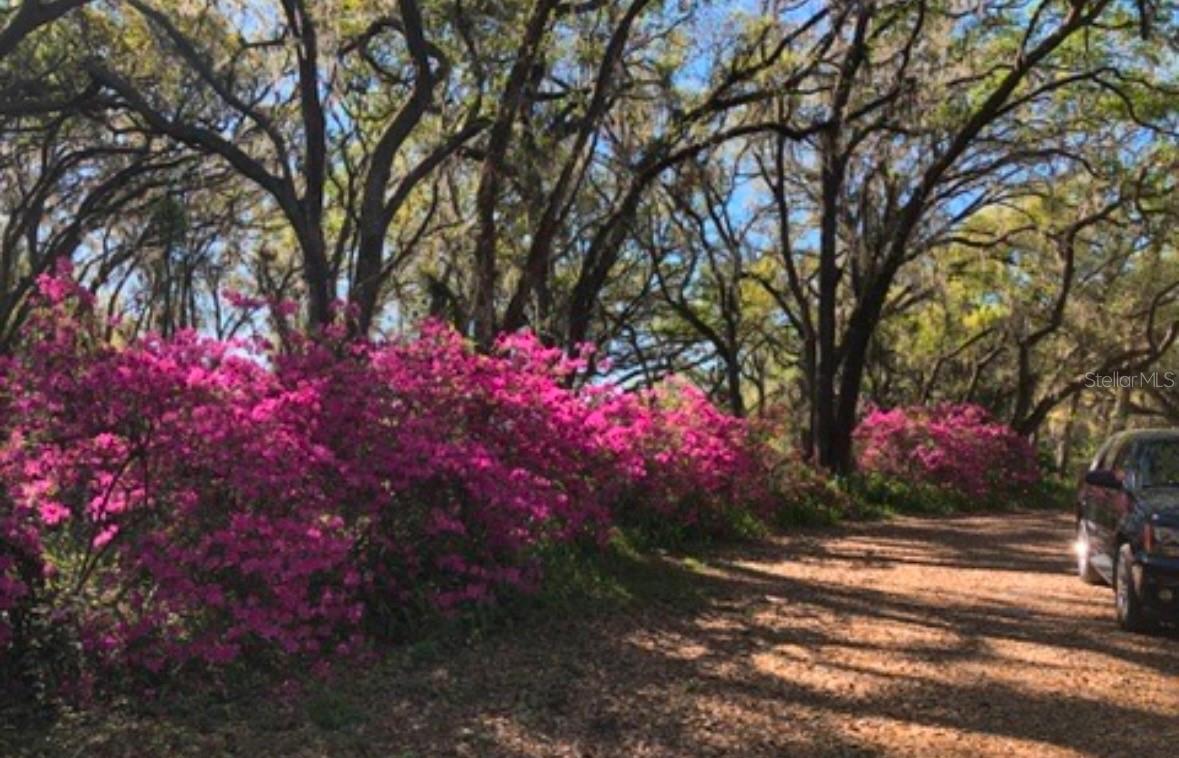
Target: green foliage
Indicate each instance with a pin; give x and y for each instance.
(332, 709)
(808, 498)
(632, 572)
(881, 496)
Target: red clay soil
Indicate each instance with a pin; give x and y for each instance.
(937, 637)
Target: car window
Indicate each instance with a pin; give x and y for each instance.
(1110, 452)
(1123, 457)
(1099, 459)
(1158, 463)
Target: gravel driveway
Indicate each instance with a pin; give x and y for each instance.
(937, 637)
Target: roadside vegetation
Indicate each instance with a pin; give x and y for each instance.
(387, 489)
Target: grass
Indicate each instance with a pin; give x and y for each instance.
(631, 572)
(877, 498)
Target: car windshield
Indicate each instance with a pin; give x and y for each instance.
(1158, 463)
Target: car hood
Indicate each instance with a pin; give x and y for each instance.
(1162, 500)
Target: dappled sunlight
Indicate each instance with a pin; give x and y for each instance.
(671, 644)
(919, 645)
(787, 654)
(879, 735)
(917, 650)
(823, 672)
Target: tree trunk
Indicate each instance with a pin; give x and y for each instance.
(1121, 411)
(861, 326)
(317, 276)
(487, 193)
(807, 391)
(733, 376)
(824, 385)
(859, 336)
(1064, 447)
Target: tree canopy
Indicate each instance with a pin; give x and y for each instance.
(809, 207)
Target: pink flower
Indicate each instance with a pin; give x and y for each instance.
(958, 447)
(103, 538)
(265, 501)
(52, 512)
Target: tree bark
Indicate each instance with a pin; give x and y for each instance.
(376, 212)
(824, 384)
(487, 195)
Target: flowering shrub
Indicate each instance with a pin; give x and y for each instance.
(175, 490)
(21, 569)
(804, 495)
(689, 461)
(452, 466)
(958, 448)
(187, 502)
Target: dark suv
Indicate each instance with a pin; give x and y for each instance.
(1128, 525)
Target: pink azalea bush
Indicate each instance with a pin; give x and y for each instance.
(21, 570)
(452, 467)
(189, 503)
(175, 491)
(689, 461)
(959, 448)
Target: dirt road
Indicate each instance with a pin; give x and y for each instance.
(962, 636)
(936, 637)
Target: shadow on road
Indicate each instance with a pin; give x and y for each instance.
(960, 636)
(955, 636)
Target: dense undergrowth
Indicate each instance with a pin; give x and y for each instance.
(174, 507)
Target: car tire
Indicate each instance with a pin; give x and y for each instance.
(1131, 615)
(1085, 569)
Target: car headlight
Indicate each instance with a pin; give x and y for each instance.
(1164, 540)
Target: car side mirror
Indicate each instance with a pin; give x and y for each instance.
(1103, 477)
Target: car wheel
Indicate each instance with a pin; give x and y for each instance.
(1131, 615)
(1085, 569)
